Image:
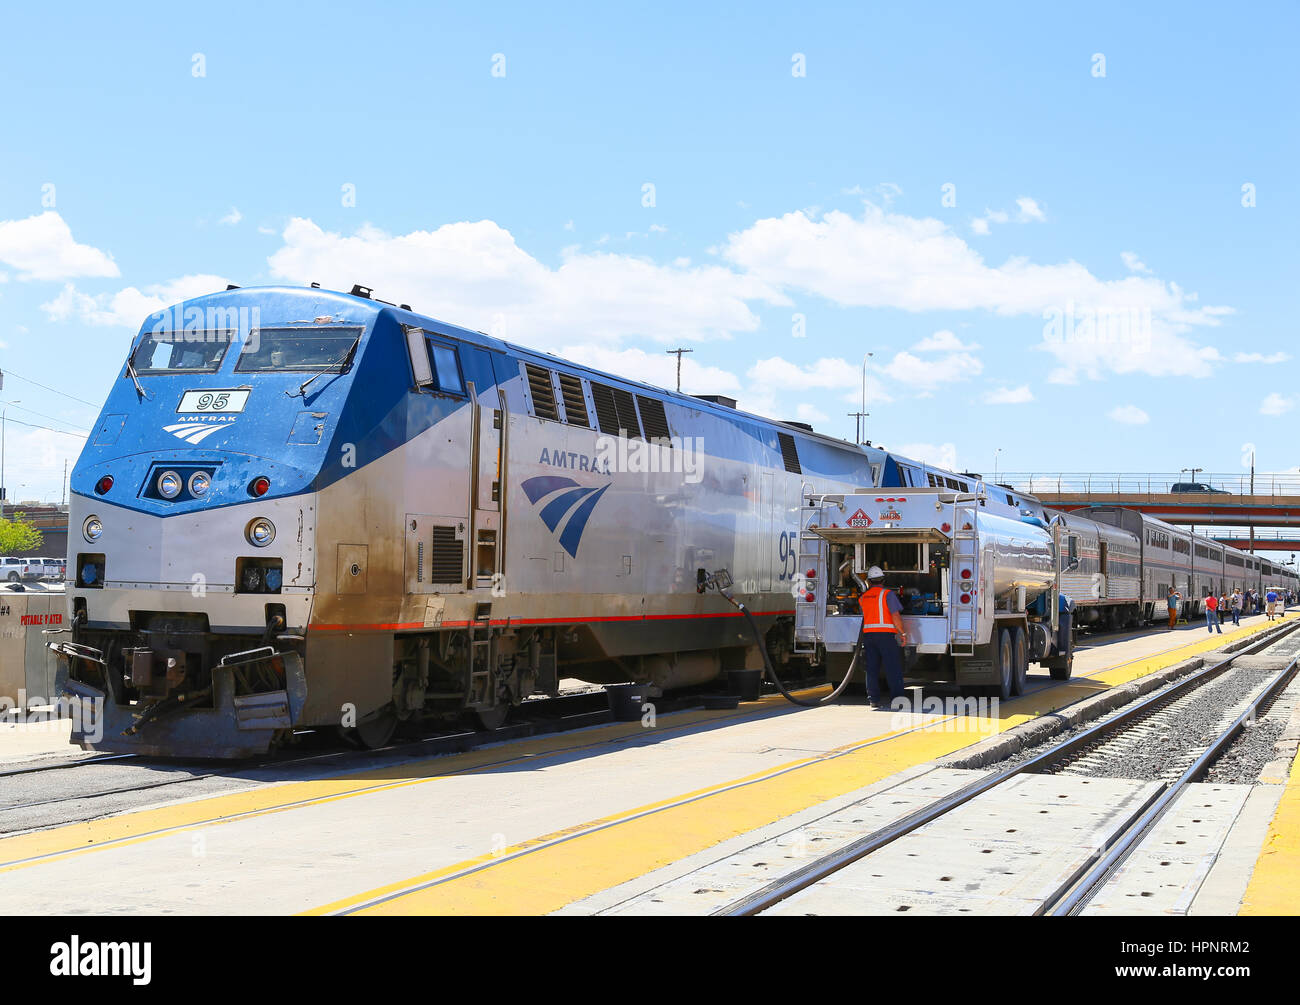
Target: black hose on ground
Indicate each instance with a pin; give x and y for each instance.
(771, 673)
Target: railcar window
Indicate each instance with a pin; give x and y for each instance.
(296, 349)
(446, 368)
(181, 352)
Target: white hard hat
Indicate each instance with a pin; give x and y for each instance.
(875, 572)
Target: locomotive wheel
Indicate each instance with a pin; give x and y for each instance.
(372, 734)
(1006, 659)
(491, 718)
(1020, 662)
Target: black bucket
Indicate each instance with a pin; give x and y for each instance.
(625, 701)
(748, 684)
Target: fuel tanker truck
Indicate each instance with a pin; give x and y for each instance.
(978, 573)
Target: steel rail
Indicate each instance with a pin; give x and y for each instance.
(1076, 894)
(802, 878)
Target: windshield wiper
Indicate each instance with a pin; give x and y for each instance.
(135, 379)
(342, 362)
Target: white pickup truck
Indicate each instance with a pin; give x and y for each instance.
(15, 570)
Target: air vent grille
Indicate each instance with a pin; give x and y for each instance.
(575, 406)
(789, 453)
(448, 564)
(543, 392)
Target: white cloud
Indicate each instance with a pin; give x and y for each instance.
(657, 368)
(1132, 262)
(658, 228)
(477, 275)
(1009, 395)
(568, 225)
(941, 455)
(810, 414)
(128, 308)
(1276, 404)
(1130, 415)
(927, 374)
(231, 218)
(42, 247)
(267, 230)
(1257, 357)
(980, 224)
(34, 459)
(943, 341)
(890, 260)
(1029, 210)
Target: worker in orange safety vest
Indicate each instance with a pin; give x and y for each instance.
(883, 637)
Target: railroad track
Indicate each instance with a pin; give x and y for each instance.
(1092, 750)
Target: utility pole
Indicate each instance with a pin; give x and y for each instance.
(861, 427)
(678, 354)
(64, 500)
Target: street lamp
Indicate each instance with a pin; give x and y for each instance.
(861, 416)
(4, 414)
(995, 464)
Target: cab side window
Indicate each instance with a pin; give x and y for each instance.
(446, 368)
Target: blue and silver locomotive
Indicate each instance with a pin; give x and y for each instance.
(302, 508)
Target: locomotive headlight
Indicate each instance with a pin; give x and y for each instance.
(92, 528)
(200, 483)
(260, 532)
(169, 484)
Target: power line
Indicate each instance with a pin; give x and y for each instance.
(55, 418)
(55, 390)
(33, 425)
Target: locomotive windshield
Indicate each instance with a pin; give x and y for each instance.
(303, 349)
(184, 351)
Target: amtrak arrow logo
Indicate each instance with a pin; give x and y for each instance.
(568, 499)
(194, 432)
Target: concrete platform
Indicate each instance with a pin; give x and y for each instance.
(525, 827)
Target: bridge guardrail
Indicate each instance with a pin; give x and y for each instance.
(1266, 485)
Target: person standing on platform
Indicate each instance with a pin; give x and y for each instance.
(1270, 598)
(1173, 600)
(883, 637)
(1235, 604)
(1212, 614)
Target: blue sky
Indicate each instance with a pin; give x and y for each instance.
(188, 148)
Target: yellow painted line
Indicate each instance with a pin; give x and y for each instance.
(39, 847)
(548, 872)
(1275, 884)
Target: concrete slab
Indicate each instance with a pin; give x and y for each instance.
(1164, 875)
(1009, 848)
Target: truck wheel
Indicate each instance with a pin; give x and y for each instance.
(1061, 669)
(1020, 661)
(14, 577)
(1006, 661)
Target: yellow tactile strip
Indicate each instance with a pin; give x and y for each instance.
(1275, 884)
